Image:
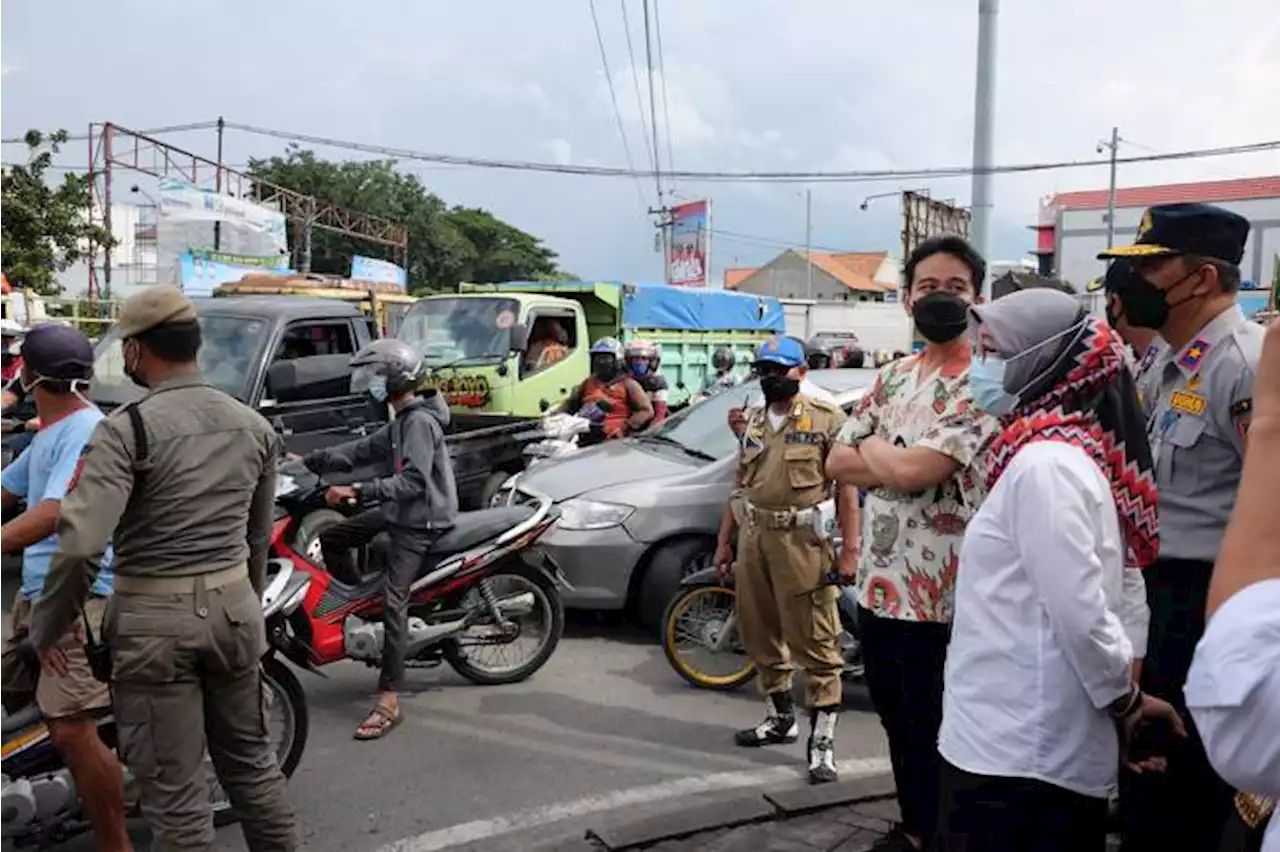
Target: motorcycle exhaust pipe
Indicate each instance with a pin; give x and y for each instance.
(517, 605)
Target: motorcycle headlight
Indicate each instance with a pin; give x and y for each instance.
(285, 484)
(592, 515)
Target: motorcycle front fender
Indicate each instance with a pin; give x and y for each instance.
(705, 577)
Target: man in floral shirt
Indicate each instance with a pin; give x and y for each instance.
(912, 442)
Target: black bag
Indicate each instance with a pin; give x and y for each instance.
(98, 653)
(1247, 824)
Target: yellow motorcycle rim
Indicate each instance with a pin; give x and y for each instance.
(714, 597)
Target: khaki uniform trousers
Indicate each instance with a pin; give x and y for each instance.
(185, 671)
(782, 617)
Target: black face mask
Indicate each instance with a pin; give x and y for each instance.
(941, 317)
(778, 388)
(604, 369)
(132, 373)
(1147, 306)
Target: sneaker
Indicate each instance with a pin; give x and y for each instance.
(822, 752)
(895, 841)
(778, 728)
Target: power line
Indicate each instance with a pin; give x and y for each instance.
(851, 176)
(738, 236)
(635, 84)
(155, 131)
(613, 99)
(662, 72)
(653, 107)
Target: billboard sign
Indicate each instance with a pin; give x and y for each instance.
(378, 271)
(181, 201)
(257, 261)
(689, 249)
(198, 275)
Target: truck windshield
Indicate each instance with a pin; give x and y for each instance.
(454, 329)
(228, 350)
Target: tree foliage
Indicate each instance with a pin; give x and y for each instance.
(446, 245)
(45, 228)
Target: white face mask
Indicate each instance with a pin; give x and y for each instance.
(987, 375)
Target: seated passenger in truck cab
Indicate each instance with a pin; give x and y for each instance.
(548, 343)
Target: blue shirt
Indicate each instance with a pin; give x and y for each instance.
(44, 472)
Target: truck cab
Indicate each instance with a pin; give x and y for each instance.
(286, 357)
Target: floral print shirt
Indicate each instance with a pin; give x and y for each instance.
(911, 542)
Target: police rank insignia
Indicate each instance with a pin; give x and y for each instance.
(1242, 413)
(1194, 354)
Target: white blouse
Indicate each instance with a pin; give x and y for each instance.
(1047, 623)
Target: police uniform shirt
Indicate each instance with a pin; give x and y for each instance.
(1144, 376)
(1197, 432)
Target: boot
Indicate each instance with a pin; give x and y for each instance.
(779, 726)
(822, 737)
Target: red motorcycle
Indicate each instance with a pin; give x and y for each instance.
(481, 593)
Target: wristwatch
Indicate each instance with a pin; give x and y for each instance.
(1127, 705)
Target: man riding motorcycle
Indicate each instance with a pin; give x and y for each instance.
(610, 398)
(642, 362)
(414, 501)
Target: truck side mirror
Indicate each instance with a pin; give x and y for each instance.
(519, 337)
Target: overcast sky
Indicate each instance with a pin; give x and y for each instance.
(751, 84)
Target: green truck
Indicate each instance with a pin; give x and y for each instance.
(482, 343)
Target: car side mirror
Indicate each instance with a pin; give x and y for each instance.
(519, 337)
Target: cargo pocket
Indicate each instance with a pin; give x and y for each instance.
(133, 730)
(144, 647)
(245, 637)
(804, 467)
(825, 620)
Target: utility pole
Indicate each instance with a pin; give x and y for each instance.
(1114, 146)
(808, 243)
(984, 107)
(217, 185)
(653, 127)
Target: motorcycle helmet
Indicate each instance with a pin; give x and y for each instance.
(641, 357)
(386, 367)
(606, 358)
(723, 359)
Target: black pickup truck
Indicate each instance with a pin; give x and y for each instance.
(287, 357)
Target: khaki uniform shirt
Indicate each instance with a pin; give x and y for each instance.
(1196, 429)
(200, 502)
(785, 468)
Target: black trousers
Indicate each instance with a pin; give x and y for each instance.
(405, 551)
(905, 662)
(984, 813)
(1185, 807)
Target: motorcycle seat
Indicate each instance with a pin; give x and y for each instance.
(472, 528)
(25, 717)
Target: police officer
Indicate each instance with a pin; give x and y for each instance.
(185, 478)
(1184, 274)
(784, 608)
(1145, 345)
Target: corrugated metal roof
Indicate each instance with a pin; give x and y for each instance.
(1172, 193)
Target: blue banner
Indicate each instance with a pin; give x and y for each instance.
(197, 276)
(379, 271)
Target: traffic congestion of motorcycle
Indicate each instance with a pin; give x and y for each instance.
(500, 579)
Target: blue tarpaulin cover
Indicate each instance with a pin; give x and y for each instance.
(661, 306)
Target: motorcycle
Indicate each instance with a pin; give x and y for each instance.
(38, 797)
(702, 620)
(563, 434)
(481, 588)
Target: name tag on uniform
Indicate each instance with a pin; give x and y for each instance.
(1186, 402)
(797, 437)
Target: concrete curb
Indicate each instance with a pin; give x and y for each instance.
(766, 806)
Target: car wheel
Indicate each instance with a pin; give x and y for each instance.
(661, 581)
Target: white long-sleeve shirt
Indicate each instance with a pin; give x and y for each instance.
(1045, 611)
(1233, 693)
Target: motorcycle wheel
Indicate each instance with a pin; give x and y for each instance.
(465, 655)
(692, 622)
(289, 723)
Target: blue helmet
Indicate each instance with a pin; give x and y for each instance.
(607, 346)
(783, 351)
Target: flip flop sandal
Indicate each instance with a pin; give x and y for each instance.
(379, 723)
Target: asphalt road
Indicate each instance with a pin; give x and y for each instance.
(606, 731)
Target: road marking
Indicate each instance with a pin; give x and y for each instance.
(483, 829)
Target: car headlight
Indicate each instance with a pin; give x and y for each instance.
(285, 484)
(592, 515)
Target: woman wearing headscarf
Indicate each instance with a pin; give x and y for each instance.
(1050, 607)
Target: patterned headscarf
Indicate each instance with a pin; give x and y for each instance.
(1085, 396)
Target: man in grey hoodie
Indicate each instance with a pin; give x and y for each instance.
(414, 503)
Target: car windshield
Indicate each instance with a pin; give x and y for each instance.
(229, 348)
(703, 428)
(446, 330)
